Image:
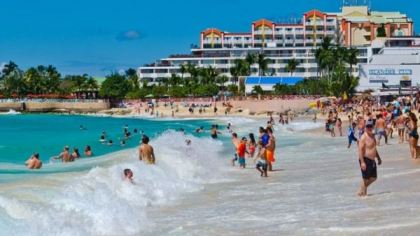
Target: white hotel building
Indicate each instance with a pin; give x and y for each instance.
(355, 26)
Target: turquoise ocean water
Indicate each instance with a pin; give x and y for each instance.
(47, 134)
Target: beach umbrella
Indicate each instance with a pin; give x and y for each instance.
(149, 96)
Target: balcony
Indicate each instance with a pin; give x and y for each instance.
(215, 40)
(331, 23)
(289, 41)
(260, 32)
(317, 22)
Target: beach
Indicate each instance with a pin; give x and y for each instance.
(194, 190)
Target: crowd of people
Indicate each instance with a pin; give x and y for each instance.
(68, 155)
(258, 151)
(370, 121)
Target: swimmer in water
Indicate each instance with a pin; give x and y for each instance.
(33, 162)
(110, 143)
(199, 130)
(64, 155)
(88, 151)
(214, 132)
(75, 154)
(122, 143)
(82, 127)
(146, 152)
(128, 175)
(188, 142)
(102, 139)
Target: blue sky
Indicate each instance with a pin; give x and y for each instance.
(100, 36)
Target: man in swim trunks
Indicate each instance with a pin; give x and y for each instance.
(262, 160)
(367, 155)
(235, 142)
(33, 162)
(380, 129)
(270, 148)
(146, 152)
(241, 150)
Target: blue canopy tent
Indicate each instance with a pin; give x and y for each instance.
(267, 82)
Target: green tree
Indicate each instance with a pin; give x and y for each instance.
(114, 86)
(381, 32)
(133, 78)
(291, 66)
(12, 80)
(262, 62)
(258, 89)
(33, 81)
(233, 88)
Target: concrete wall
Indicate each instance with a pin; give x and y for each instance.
(55, 106)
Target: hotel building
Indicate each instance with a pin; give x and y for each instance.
(354, 26)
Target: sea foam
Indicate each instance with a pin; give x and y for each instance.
(101, 202)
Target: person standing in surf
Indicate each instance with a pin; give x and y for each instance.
(270, 149)
(367, 159)
(262, 160)
(241, 150)
(235, 142)
(251, 145)
(146, 152)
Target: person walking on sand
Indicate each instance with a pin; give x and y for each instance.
(340, 127)
(146, 152)
(367, 155)
(400, 121)
(33, 162)
(413, 135)
(351, 135)
(380, 129)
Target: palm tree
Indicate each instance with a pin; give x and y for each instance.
(52, 79)
(291, 66)
(32, 79)
(133, 78)
(352, 57)
(322, 55)
(262, 62)
(183, 69)
(91, 84)
(250, 60)
(258, 89)
(208, 75)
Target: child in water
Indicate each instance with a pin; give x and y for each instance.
(128, 175)
(262, 160)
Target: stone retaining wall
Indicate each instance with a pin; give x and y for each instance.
(55, 106)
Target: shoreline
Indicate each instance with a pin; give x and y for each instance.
(244, 108)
